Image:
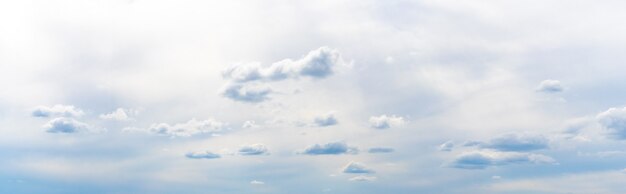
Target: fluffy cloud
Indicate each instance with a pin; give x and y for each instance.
(356, 168)
(246, 93)
(65, 125)
(57, 110)
(202, 155)
(333, 148)
(249, 124)
(119, 114)
(318, 63)
(325, 120)
(377, 150)
(482, 159)
(189, 128)
(254, 149)
(614, 122)
(384, 121)
(515, 142)
(362, 178)
(550, 86)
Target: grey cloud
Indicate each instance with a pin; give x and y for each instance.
(191, 127)
(447, 146)
(481, 160)
(550, 86)
(318, 63)
(325, 120)
(356, 168)
(246, 93)
(254, 149)
(614, 122)
(333, 148)
(202, 155)
(65, 125)
(57, 110)
(376, 150)
(385, 122)
(514, 142)
(363, 178)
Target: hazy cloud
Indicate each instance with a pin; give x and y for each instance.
(253, 149)
(119, 114)
(614, 122)
(447, 146)
(189, 128)
(481, 160)
(550, 86)
(325, 120)
(516, 142)
(246, 93)
(376, 150)
(57, 110)
(362, 178)
(202, 155)
(65, 125)
(356, 168)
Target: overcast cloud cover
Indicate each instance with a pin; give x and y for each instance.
(330, 96)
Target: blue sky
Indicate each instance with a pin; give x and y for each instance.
(330, 96)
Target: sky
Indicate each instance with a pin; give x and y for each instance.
(311, 97)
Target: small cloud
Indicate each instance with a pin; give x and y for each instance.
(65, 125)
(377, 150)
(253, 149)
(356, 168)
(58, 110)
(318, 63)
(614, 122)
(385, 122)
(482, 159)
(246, 93)
(255, 182)
(495, 177)
(363, 178)
(550, 86)
(249, 124)
(446, 147)
(191, 127)
(515, 142)
(119, 114)
(325, 120)
(333, 148)
(202, 155)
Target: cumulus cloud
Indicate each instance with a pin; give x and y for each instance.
(318, 63)
(376, 150)
(65, 125)
(58, 110)
(189, 128)
(447, 146)
(614, 122)
(202, 155)
(333, 148)
(482, 159)
(246, 93)
(516, 142)
(550, 86)
(119, 114)
(325, 120)
(356, 168)
(363, 178)
(384, 121)
(253, 149)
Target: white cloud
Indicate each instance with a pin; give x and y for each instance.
(119, 114)
(550, 86)
(65, 125)
(516, 142)
(57, 110)
(249, 124)
(356, 168)
(614, 122)
(332, 148)
(202, 155)
(325, 120)
(484, 159)
(256, 182)
(191, 127)
(363, 178)
(253, 149)
(318, 63)
(246, 93)
(384, 121)
(447, 146)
